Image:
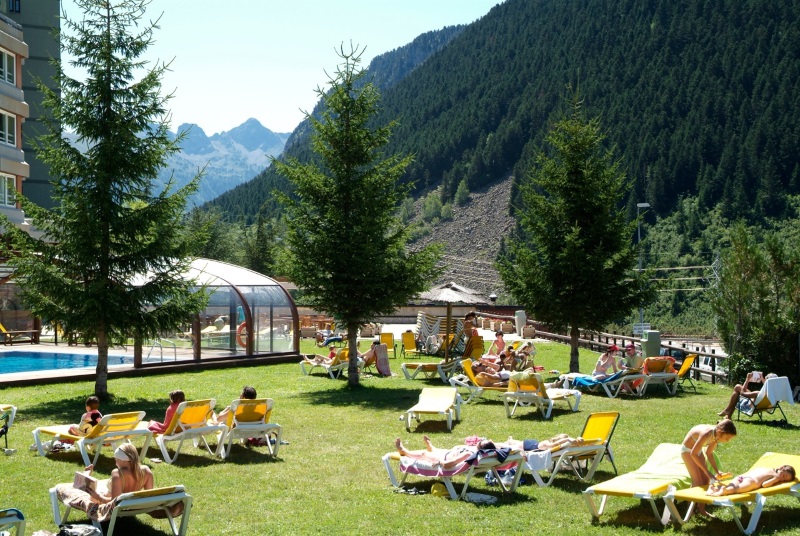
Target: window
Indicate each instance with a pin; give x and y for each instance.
(13, 6)
(8, 67)
(8, 128)
(8, 190)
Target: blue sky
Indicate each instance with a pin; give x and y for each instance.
(236, 59)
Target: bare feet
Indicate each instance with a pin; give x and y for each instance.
(428, 444)
(723, 414)
(400, 448)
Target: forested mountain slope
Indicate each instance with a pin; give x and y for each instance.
(700, 98)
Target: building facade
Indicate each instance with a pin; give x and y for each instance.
(36, 21)
(14, 170)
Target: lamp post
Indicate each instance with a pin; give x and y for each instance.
(639, 244)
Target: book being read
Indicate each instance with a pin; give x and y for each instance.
(84, 481)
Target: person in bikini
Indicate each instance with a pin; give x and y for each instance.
(753, 479)
(446, 458)
(554, 443)
(708, 436)
(605, 362)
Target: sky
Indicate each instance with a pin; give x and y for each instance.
(237, 59)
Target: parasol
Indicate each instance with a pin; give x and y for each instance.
(450, 293)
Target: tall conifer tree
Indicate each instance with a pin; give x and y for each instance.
(110, 261)
(572, 263)
(346, 246)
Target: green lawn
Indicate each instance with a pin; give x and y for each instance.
(330, 479)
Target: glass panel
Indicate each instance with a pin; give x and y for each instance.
(11, 68)
(9, 196)
(11, 134)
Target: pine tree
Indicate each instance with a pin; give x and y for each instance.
(110, 262)
(346, 246)
(572, 261)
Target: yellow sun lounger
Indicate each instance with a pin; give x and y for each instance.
(581, 459)
(532, 391)
(436, 401)
(136, 503)
(191, 422)
(664, 468)
(732, 503)
(113, 429)
(334, 368)
(469, 382)
(250, 418)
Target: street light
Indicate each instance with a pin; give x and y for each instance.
(639, 244)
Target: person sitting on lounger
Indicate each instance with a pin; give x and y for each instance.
(485, 376)
(321, 359)
(554, 443)
(248, 393)
(447, 458)
(748, 389)
(128, 475)
(605, 362)
(752, 480)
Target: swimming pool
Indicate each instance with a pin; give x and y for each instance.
(19, 361)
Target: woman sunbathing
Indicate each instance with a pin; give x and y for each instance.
(752, 480)
(554, 443)
(447, 458)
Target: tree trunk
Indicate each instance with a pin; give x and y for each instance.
(101, 372)
(574, 335)
(352, 344)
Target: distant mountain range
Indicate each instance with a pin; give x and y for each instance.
(229, 158)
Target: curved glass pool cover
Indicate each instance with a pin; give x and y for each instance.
(247, 314)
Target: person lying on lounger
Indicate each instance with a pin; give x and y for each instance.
(447, 458)
(752, 480)
(554, 443)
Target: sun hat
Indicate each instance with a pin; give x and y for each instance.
(613, 348)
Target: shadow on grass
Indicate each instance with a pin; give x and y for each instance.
(69, 410)
(365, 396)
(784, 425)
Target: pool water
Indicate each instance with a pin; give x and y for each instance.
(19, 361)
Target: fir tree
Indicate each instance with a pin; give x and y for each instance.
(110, 261)
(571, 264)
(346, 246)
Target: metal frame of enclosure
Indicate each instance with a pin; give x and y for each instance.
(248, 314)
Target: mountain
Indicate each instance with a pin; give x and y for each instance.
(230, 158)
(698, 99)
(385, 71)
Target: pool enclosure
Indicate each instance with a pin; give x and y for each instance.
(247, 314)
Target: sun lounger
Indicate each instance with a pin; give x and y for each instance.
(334, 368)
(772, 393)
(136, 503)
(467, 381)
(113, 429)
(629, 380)
(582, 459)
(425, 468)
(11, 518)
(250, 419)
(532, 392)
(436, 401)
(732, 503)
(659, 370)
(190, 422)
(664, 468)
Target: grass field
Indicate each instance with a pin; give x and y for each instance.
(329, 478)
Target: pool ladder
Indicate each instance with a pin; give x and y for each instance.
(160, 344)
